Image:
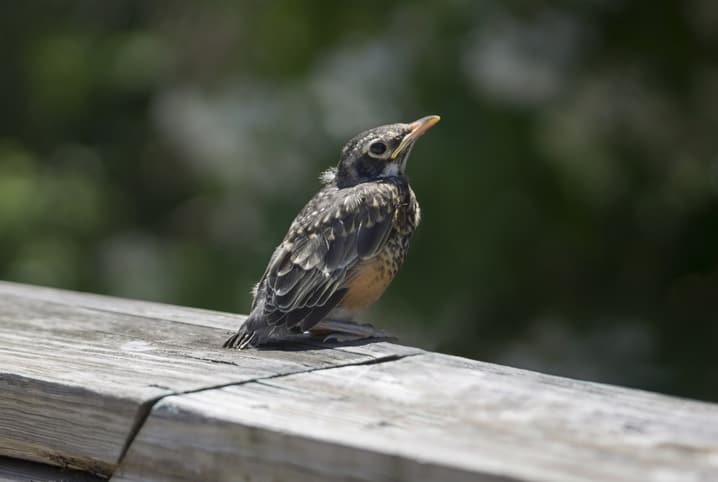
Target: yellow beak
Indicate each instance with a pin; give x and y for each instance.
(417, 130)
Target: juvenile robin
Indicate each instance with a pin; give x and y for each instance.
(344, 248)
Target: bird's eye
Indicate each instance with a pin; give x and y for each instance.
(378, 148)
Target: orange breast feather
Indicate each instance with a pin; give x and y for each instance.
(367, 283)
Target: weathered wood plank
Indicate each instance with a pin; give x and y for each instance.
(78, 372)
(110, 304)
(13, 470)
(425, 417)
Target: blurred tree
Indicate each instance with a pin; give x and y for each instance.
(159, 150)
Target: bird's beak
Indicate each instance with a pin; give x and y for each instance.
(417, 128)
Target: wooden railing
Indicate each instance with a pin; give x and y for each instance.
(93, 386)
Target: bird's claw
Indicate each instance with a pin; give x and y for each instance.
(337, 331)
(370, 333)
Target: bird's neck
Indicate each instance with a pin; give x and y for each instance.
(399, 179)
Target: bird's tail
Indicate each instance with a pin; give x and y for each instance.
(240, 340)
(252, 332)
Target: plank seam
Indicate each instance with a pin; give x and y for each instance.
(146, 408)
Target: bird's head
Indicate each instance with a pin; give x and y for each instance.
(379, 153)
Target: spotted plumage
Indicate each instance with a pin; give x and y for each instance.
(346, 245)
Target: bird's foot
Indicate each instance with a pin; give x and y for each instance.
(335, 331)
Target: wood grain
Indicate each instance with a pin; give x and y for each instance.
(78, 374)
(425, 417)
(110, 304)
(14, 470)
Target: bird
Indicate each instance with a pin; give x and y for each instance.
(344, 247)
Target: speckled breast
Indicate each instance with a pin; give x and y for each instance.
(371, 277)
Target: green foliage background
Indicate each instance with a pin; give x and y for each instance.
(159, 150)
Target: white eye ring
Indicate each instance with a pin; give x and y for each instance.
(378, 149)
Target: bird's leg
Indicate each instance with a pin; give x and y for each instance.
(341, 331)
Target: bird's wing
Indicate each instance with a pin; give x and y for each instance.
(307, 274)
